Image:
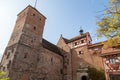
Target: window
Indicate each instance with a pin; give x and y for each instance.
(26, 54)
(34, 27)
(52, 61)
(80, 52)
(96, 49)
(61, 71)
(82, 41)
(8, 65)
(112, 60)
(114, 48)
(40, 19)
(33, 14)
(75, 43)
(8, 55)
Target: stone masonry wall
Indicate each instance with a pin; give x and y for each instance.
(67, 59)
(30, 64)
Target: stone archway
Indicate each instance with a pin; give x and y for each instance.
(84, 78)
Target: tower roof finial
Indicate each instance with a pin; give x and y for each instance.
(35, 3)
(81, 31)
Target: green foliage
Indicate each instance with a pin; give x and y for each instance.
(2, 74)
(109, 24)
(95, 74)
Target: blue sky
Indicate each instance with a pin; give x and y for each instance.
(63, 17)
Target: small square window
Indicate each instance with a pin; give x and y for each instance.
(80, 52)
(26, 54)
(34, 28)
(75, 43)
(33, 14)
(82, 41)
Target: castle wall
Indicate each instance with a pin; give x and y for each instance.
(29, 64)
(52, 63)
(88, 55)
(67, 59)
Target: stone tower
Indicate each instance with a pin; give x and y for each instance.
(24, 42)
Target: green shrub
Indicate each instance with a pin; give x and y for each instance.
(2, 74)
(95, 74)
